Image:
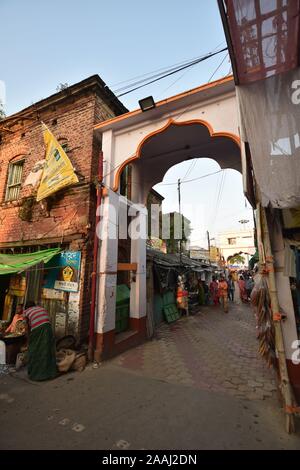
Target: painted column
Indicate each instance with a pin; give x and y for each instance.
(107, 277)
(138, 232)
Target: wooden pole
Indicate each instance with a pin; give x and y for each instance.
(285, 384)
(150, 300)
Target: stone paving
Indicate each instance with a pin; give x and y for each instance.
(210, 350)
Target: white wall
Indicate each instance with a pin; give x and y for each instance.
(244, 242)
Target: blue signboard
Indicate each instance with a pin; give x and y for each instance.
(62, 272)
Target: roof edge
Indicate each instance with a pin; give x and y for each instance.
(192, 91)
(93, 80)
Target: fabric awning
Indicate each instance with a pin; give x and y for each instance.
(20, 262)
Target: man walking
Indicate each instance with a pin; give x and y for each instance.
(231, 288)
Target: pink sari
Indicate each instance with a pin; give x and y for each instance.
(243, 293)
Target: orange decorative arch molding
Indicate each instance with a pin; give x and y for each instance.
(171, 122)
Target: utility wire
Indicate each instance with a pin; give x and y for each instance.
(219, 197)
(192, 166)
(219, 66)
(162, 69)
(193, 179)
(197, 61)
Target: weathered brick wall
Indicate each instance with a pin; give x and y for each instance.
(70, 210)
(70, 213)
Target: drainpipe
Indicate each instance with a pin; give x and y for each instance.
(94, 275)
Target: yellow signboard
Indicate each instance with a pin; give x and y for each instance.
(58, 170)
(214, 253)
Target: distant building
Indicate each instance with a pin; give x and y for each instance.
(233, 242)
(154, 203)
(196, 252)
(180, 229)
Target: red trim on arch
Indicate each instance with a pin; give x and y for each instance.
(171, 122)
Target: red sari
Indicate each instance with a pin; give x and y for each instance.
(213, 287)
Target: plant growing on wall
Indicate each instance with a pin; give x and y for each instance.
(26, 208)
(2, 112)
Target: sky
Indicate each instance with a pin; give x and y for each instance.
(64, 41)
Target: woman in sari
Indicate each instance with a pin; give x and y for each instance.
(41, 345)
(242, 287)
(213, 288)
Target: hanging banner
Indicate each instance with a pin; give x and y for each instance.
(58, 171)
(270, 115)
(63, 272)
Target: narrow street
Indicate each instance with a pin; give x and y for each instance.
(198, 385)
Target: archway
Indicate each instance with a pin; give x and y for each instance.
(195, 124)
(173, 143)
(155, 154)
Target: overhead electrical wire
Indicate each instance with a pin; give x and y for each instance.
(219, 66)
(151, 75)
(161, 69)
(185, 72)
(219, 198)
(172, 72)
(192, 166)
(193, 179)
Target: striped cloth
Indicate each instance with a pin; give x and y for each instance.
(37, 316)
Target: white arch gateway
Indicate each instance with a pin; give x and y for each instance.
(202, 122)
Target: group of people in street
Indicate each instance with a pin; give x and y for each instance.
(222, 290)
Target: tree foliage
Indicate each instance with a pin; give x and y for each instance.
(2, 112)
(236, 259)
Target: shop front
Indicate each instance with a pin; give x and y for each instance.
(49, 278)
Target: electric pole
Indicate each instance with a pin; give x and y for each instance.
(208, 244)
(180, 240)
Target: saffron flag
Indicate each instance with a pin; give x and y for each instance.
(58, 171)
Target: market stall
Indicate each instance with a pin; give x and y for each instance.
(49, 278)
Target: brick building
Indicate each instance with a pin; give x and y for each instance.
(66, 219)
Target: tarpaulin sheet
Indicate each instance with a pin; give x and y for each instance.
(17, 263)
(270, 123)
(265, 37)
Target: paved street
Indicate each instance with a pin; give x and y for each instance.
(197, 385)
(210, 351)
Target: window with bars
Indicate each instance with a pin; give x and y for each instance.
(14, 180)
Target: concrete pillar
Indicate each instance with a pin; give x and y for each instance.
(108, 158)
(107, 278)
(138, 302)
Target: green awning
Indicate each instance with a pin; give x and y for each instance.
(20, 262)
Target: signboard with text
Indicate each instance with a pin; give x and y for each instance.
(63, 272)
